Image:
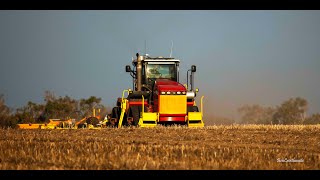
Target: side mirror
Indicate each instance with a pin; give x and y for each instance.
(193, 68)
(128, 69)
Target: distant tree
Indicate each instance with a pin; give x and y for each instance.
(59, 108)
(4, 110)
(29, 113)
(6, 117)
(35, 110)
(87, 105)
(49, 96)
(23, 115)
(313, 119)
(256, 114)
(53, 108)
(292, 111)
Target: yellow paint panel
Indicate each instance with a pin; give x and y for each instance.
(173, 104)
(148, 120)
(28, 126)
(195, 119)
(49, 126)
(194, 116)
(150, 116)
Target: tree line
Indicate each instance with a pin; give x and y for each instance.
(54, 107)
(292, 111)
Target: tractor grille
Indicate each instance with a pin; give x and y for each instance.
(173, 104)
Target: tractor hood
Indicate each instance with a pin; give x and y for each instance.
(168, 85)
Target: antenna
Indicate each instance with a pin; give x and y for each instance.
(171, 48)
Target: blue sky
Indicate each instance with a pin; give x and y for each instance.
(242, 57)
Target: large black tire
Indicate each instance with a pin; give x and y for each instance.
(115, 113)
(81, 126)
(92, 120)
(134, 112)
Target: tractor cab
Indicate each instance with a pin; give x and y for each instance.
(155, 68)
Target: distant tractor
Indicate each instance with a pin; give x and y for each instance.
(157, 96)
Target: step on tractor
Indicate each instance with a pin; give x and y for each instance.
(157, 97)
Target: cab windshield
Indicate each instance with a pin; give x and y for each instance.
(165, 71)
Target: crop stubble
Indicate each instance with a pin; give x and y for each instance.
(210, 148)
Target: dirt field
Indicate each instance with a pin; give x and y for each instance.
(214, 147)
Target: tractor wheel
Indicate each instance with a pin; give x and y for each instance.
(115, 115)
(92, 120)
(111, 123)
(134, 112)
(81, 126)
(116, 112)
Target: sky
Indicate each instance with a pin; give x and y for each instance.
(242, 57)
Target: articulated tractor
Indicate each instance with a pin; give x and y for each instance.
(157, 97)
